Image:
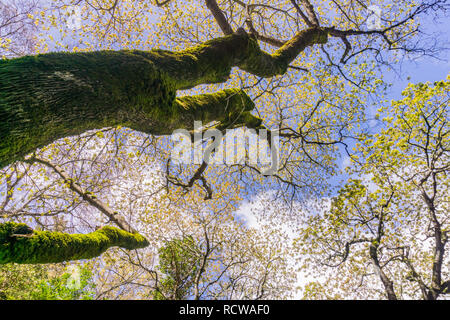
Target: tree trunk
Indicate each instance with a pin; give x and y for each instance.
(387, 283)
(55, 95)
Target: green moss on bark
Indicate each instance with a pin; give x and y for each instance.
(262, 64)
(46, 97)
(21, 244)
(231, 107)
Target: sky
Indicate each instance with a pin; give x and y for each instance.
(425, 68)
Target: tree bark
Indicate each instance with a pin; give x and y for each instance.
(55, 95)
(440, 240)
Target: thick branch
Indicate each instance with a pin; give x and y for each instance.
(21, 244)
(440, 238)
(387, 283)
(373, 252)
(230, 106)
(211, 62)
(262, 64)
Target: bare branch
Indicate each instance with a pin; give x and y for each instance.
(86, 195)
(219, 16)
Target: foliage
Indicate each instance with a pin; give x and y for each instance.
(66, 288)
(36, 282)
(178, 263)
(394, 218)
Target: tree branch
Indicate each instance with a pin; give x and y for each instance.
(311, 13)
(219, 16)
(302, 14)
(21, 244)
(89, 197)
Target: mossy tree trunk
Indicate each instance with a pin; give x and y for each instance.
(50, 96)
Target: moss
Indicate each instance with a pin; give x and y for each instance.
(225, 106)
(46, 97)
(262, 64)
(212, 61)
(21, 244)
(209, 62)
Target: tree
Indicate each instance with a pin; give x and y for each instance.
(19, 281)
(64, 287)
(17, 27)
(136, 89)
(317, 100)
(178, 264)
(395, 220)
(220, 259)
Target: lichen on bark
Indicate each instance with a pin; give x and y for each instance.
(21, 244)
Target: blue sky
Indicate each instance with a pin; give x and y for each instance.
(425, 68)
